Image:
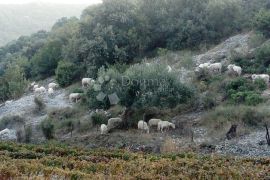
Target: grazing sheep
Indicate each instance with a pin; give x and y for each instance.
(114, 122)
(74, 97)
(142, 125)
(35, 87)
(202, 67)
(40, 90)
(50, 91)
(53, 85)
(103, 129)
(153, 122)
(264, 77)
(32, 84)
(165, 125)
(169, 68)
(8, 102)
(215, 67)
(87, 82)
(233, 69)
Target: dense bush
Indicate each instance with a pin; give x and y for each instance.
(45, 61)
(13, 83)
(261, 62)
(140, 86)
(47, 128)
(11, 121)
(40, 105)
(66, 73)
(244, 91)
(262, 22)
(99, 118)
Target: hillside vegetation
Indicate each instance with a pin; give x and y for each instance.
(61, 162)
(25, 19)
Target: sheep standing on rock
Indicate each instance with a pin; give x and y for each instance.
(153, 122)
(104, 129)
(40, 90)
(74, 97)
(50, 91)
(87, 82)
(165, 125)
(35, 87)
(233, 69)
(264, 77)
(142, 125)
(114, 122)
(53, 86)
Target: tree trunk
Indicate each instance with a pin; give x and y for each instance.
(232, 132)
(267, 135)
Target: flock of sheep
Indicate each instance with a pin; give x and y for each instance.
(231, 69)
(42, 90)
(142, 125)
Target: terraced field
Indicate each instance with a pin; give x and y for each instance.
(51, 161)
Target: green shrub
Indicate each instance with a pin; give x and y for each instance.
(142, 86)
(47, 128)
(28, 134)
(243, 91)
(262, 22)
(99, 118)
(263, 55)
(13, 83)
(40, 105)
(67, 73)
(11, 121)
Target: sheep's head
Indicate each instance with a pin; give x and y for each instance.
(172, 125)
(253, 76)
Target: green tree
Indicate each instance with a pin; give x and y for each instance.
(262, 22)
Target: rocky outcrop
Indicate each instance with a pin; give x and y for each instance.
(8, 135)
(222, 52)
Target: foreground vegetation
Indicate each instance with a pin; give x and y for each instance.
(24, 161)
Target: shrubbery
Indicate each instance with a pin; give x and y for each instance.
(13, 83)
(243, 91)
(262, 22)
(140, 86)
(66, 73)
(47, 128)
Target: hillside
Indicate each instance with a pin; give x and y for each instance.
(140, 89)
(25, 19)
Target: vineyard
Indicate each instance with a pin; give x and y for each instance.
(50, 161)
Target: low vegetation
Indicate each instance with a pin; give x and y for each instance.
(48, 161)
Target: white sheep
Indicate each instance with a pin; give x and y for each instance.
(35, 87)
(234, 69)
(215, 67)
(40, 90)
(203, 66)
(52, 85)
(165, 125)
(153, 122)
(74, 97)
(114, 122)
(143, 126)
(50, 91)
(8, 102)
(104, 129)
(264, 77)
(87, 82)
(32, 84)
(169, 68)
